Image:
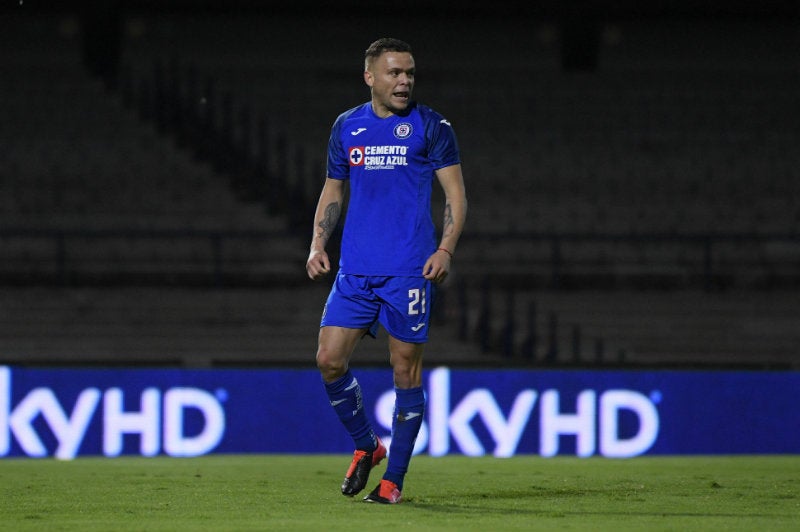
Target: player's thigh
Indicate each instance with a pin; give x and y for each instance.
(336, 344)
(406, 307)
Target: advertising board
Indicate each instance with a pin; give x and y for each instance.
(65, 413)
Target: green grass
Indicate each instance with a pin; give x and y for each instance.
(281, 492)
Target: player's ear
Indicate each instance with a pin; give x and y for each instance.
(368, 79)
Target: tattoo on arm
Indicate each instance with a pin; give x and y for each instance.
(328, 222)
(447, 226)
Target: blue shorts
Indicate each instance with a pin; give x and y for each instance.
(401, 304)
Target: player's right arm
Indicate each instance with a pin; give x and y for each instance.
(329, 210)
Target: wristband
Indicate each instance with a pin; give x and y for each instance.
(446, 251)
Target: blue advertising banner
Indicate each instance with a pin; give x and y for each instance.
(111, 412)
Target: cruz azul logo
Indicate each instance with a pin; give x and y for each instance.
(159, 422)
(594, 425)
(403, 130)
(378, 157)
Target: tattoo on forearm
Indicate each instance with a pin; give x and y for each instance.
(448, 225)
(328, 222)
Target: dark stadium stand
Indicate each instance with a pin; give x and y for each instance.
(186, 327)
(644, 328)
(74, 158)
(648, 206)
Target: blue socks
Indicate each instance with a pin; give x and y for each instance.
(345, 397)
(408, 412)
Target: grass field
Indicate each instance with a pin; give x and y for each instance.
(291, 492)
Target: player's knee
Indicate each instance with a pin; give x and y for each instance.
(331, 365)
(406, 361)
(407, 373)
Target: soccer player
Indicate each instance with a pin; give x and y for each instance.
(389, 149)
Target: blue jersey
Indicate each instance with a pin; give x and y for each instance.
(390, 163)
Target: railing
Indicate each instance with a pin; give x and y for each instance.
(177, 257)
(216, 257)
(707, 260)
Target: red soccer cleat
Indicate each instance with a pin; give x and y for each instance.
(385, 493)
(358, 473)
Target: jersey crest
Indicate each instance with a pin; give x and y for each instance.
(403, 130)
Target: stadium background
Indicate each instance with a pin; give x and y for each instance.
(632, 173)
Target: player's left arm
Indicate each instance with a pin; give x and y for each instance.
(455, 214)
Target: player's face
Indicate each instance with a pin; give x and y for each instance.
(391, 80)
